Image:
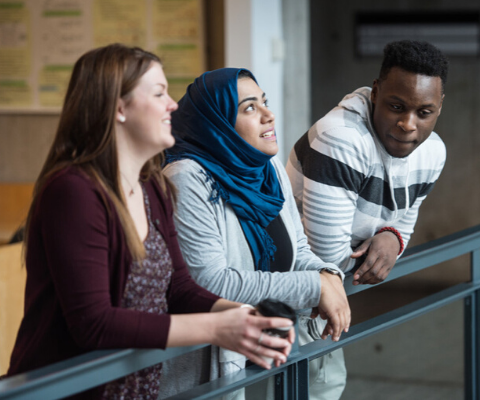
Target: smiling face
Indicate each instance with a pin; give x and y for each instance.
(255, 122)
(406, 108)
(147, 112)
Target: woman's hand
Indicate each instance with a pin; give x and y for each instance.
(334, 306)
(240, 330)
(286, 350)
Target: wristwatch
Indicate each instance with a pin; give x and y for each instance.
(330, 271)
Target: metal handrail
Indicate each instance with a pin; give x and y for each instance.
(98, 367)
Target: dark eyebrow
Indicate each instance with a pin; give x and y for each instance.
(393, 97)
(428, 106)
(250, 99)
(397, 99)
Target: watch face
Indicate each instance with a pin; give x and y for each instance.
(331, 271)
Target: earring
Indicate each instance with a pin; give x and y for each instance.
(122, 118)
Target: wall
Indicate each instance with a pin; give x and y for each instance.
(296, 75)
(254, 40)
(215, 33)
(24, 142)
(454, 204)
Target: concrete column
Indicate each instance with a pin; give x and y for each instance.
(254, 40)
(296, 79)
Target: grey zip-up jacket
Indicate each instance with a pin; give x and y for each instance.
(219, 258)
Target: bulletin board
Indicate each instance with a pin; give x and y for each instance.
(40, 40)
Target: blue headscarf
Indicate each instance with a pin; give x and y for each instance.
(204, 130)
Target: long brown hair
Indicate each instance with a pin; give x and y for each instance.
(86, 131)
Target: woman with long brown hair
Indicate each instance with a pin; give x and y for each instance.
(104, 269)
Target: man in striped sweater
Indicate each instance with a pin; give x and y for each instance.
(360, 174)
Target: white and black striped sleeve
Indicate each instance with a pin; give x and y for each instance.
(327, 183)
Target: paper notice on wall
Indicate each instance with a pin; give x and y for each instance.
(180, 60)
(176, 20)
(120, 22)
(15, 93)
(53, 83)
(178, 39)
(15, 54)
(63, 34)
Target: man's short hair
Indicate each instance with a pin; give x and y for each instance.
(417, 57)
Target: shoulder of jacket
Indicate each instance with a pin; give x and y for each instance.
(185, 166)
(337, 127)
(71, 180)
(344, 137)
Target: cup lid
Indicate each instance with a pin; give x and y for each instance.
(275, 308)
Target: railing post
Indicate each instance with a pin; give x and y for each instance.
(281, 385)
(302, 379)
(293, 383)
(472, 332)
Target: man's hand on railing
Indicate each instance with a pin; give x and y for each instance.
(240, 330)
(334, 306)
(381, 253)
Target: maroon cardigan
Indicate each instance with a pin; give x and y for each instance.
(77, 266)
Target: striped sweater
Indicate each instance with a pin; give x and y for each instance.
(347, 186)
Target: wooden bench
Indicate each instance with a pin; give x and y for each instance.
(15, 199)
(13, 276)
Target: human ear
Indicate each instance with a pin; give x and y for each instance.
(120, 117)
(441, 105)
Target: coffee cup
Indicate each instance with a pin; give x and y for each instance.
(275, 308)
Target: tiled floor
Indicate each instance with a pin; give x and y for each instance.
(365, 389)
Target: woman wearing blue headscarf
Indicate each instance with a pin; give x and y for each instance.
(238, 226)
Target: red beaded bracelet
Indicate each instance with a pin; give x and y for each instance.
(396, 233)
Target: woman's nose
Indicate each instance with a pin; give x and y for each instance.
(173, 105)
(268, 115)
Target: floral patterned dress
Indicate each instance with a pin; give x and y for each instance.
(145, 290)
